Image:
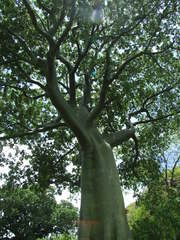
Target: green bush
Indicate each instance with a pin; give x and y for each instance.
(27, 214)
(156, 217)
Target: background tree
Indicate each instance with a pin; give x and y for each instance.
(155, 216)
(28, 214)
(111, 84)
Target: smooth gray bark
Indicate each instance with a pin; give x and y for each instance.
(102, 214)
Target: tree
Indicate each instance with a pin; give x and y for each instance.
(29, 214)
(155, 216)
(112, 83)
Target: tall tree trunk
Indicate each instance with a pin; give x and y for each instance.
(102, 214)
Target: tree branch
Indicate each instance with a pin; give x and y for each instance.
(129, 30)
(65, 62)
(123, 66)
(45, 128)
(173, 170)
(86, 49)
(35, 24)
(67, 112)
(67, 153)
(136, 148)
(29, 80)
(67, 29)
(58, 22)
(43, 7)
(155, 119)
(166, 171)
(72, 87)
(131, 58)
(104, 89)
(22, 90)
(88, 79)
(24, 45)
(87, 90)
(169, 88)
(81, 56)
(145, 103)
(118, 138)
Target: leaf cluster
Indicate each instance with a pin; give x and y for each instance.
(30, 214)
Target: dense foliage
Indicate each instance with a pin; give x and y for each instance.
(156, 214)
(29, 214)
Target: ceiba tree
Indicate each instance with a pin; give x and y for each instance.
(49, 50)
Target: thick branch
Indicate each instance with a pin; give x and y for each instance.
(67, 112)
(118, 138)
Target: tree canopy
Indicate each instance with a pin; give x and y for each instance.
(29, 214)
(156, 213)
(133, 52)
(73, 87)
